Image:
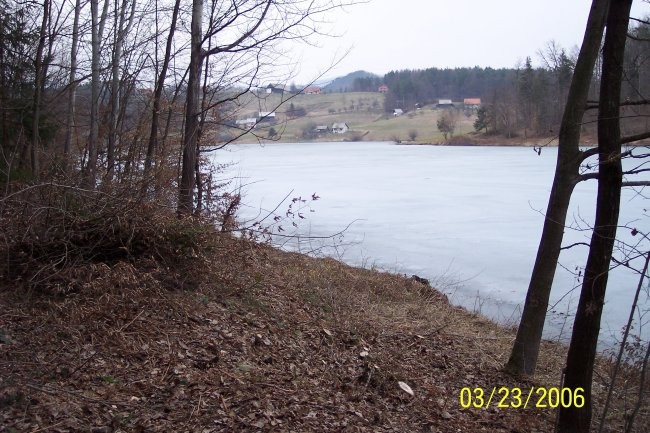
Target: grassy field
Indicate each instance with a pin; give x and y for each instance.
(362, 111)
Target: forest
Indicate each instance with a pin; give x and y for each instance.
(132, 300)
(519, 101)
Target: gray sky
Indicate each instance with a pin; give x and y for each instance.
(385, 35)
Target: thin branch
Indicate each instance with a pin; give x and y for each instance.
(575, 245)
(636, 183)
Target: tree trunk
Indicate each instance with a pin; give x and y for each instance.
(39, 81)
(160, 86)
(586, 327)
(122, 28)
(72, 83)
(525, 351)
(192, 111)
(97, 24)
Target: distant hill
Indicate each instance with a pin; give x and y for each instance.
(346, 83)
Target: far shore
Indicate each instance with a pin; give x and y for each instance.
(461, 140)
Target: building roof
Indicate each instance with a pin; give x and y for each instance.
(472, 101)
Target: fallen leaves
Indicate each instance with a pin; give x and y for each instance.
(263, 359)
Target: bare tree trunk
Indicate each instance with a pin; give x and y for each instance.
(39, 74)
(525, 351)
(160, 86)
(72, 83)
(97, 31)
(586, 327)
(122, 28)
(192, 111)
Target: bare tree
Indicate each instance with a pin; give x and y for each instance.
(525, 351)
(122, 26)
(157, 95)
(39, 84)
(72, 84)
(446, 124)
(97, 22)
(254, 27)
(586, 327)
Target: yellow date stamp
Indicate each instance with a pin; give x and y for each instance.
(516, 398)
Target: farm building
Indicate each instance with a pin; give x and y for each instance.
(398, 112)
(340, 128)
(383, 89)
(312, 91)
(248, 122)
(266, 116)
(472, 102)
(274, 89)
(445, 103)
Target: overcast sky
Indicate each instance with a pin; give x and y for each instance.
(385, 35)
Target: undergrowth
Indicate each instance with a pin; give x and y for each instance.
(52, 235)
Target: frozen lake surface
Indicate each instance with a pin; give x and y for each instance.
(467, 218)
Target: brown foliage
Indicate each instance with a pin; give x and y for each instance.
(52, 235)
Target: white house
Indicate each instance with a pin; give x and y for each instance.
(266, 116)
(246, 123)
(340, 128)
(398, 112)
(445, 103)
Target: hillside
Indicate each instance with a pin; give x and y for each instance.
(253, 340)
(346, 82)
(244, 337)
(363, 112)
(118, 316)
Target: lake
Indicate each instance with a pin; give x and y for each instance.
(467, 218)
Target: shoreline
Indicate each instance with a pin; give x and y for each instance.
(461, 140)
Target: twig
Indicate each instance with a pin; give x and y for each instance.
(628, 326)
(76, 394)
(48, 427)
(129, 324)
(637, 406)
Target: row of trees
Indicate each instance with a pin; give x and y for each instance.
(514, 99)
(117, 91)
(524, 100)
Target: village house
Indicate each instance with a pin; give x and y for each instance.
(383, 89)
(445, 103)
(321, 129)
(274, 89)
(246, 123)
(473, 103)
(340, 128)
(266, 117)
(398, 112)
(312, 91)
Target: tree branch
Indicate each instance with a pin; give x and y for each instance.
(588, 153)
(575, 245)
(636, 137)
(636, 183)
(588, 176)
